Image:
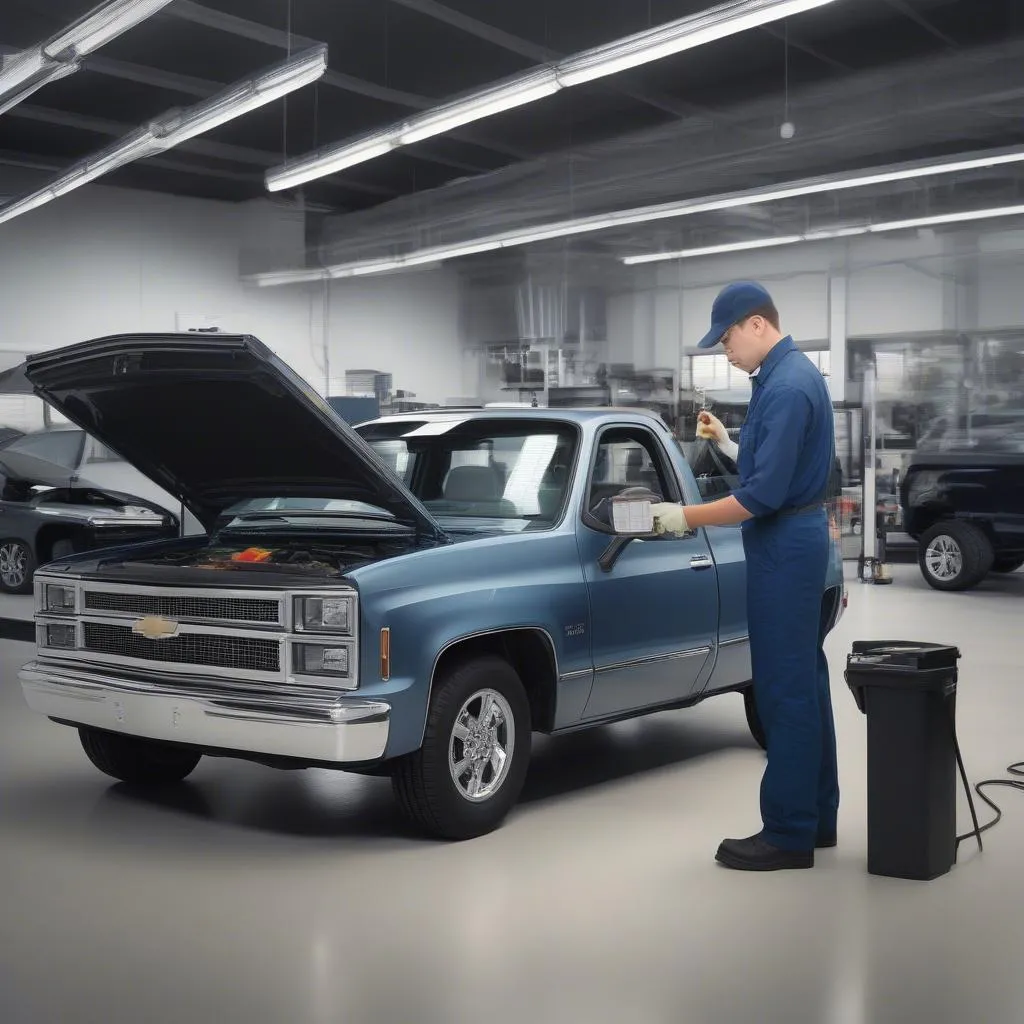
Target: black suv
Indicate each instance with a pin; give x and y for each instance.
(965, 510)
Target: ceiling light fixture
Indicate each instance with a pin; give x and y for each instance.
(492, 101)
(830, 234)
(234, 101)
(178, 126)
(29, 70)
(666, 211)
(654, 44)
(677, 36)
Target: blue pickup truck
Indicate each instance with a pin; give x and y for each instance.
(414, 598)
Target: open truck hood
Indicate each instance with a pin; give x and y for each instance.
(216, 419)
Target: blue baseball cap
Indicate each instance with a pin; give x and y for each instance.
(734, 302)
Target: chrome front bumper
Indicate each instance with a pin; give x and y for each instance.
(340, 731)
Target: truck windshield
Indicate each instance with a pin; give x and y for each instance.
(481, 474)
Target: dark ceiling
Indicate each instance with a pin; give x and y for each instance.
(391, 57)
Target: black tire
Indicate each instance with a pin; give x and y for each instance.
(18, 565)
(1008, 563)
(970, 556)
(754, 718)
(138, 761)
(423, 782)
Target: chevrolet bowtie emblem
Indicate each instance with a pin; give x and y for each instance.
(152, 627)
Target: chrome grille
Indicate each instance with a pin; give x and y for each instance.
(246, 654)
(221, 609)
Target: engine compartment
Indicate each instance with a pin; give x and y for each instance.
(288, 555)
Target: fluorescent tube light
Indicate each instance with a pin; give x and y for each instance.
(716, 250)
(28, 71)
(306, 276)
(452, 252)
(475, 108)
(685, 34)
(178, 126)
(328, 161)
(829, 234)
(103, 24)
(136, 146)
(20, 206)
(235, 101)
(951, 218)
(19, 70)
(418, 259)
(703, 204)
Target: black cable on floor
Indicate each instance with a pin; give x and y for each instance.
(1014, 769)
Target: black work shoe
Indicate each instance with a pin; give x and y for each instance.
(757, 854)
(826, 842)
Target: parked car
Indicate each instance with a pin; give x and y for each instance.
(965, 511)
(415, 598)
(48, 512)
(74, 449)
(8, 435)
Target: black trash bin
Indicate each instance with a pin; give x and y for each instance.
(908, 693)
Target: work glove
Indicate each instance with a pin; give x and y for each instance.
(669, 518)
(711, 428)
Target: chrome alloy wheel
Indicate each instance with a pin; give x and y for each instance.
(944, 558)
(481, 745)
(12, 565)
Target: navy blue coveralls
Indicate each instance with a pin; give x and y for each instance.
(786, 456)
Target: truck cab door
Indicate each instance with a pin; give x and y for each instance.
(654, 615)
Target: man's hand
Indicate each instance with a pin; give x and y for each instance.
(711, 428)
(669, 518)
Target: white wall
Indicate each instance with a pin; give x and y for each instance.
(103, 261)
(403, 324)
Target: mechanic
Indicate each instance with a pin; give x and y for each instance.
(785, 460)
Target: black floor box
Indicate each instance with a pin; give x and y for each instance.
(908, 693)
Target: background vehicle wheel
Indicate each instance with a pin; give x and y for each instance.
(954, 556)
(17, 567)
(142, 762)
(753, 718)
(1008, 563)
(468, 773)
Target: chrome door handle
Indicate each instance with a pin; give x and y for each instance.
(701, 562)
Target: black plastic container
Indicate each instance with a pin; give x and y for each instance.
(908, 692)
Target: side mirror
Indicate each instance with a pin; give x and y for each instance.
(632, 517)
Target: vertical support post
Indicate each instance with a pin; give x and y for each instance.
(837, 329)
(869, 498)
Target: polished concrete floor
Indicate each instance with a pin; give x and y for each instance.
(299, 898)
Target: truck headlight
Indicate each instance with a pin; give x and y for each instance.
(60, 636)
(59, 600)
(332, 661)
(324, 614)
